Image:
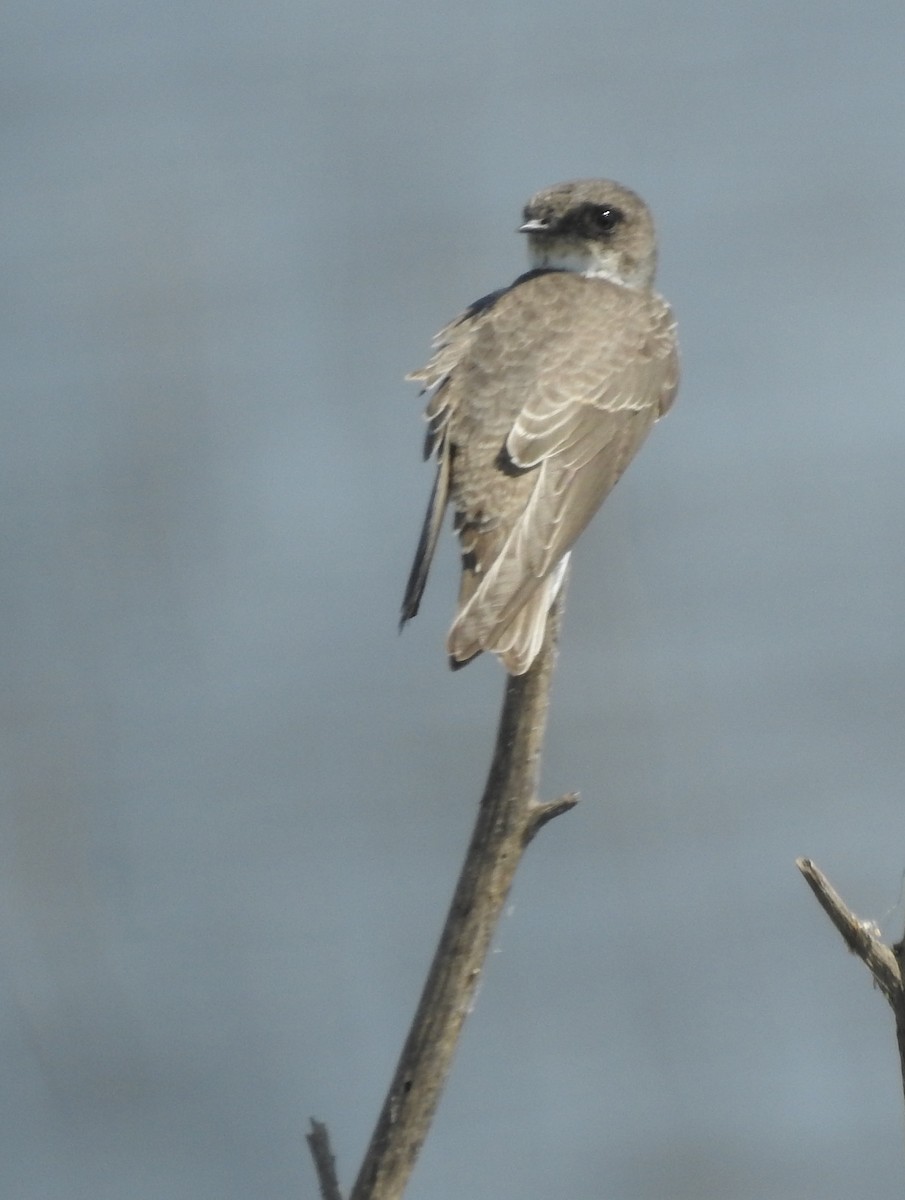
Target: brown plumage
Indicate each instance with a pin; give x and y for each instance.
(540, 395)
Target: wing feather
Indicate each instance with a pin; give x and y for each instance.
(427, 542)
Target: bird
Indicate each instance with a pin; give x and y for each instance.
(538, 397)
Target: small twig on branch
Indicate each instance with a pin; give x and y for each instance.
(324, 1163)
(508, 818)
(862, 938)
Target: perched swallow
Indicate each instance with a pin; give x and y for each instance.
(539, 396)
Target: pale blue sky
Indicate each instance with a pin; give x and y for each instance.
(234, 800)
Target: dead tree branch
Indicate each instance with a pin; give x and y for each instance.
(508, 818)
(863, 938)
(324, 1163)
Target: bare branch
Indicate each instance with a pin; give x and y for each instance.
(860, 937)
(508, 817)
(863, 939)
(324, 1163)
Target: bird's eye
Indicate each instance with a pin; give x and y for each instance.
(607, 218)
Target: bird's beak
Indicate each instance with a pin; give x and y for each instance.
(535, 226)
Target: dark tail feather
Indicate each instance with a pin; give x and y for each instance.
(427, 542)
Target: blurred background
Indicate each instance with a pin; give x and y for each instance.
(234, 801)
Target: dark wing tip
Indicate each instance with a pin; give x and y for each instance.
(410, 605)
(414, 589)
(427, 542)
(456, 664)
(507, 464)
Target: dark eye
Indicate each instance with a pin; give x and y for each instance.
(606, 218)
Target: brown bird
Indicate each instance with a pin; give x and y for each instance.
(539, 396)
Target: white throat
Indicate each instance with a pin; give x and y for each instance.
(580, 262)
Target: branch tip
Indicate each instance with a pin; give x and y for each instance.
(861, 937)
(324, 1162)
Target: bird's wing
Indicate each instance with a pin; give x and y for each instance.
(595, 382)
(583, 424)
(449, 346)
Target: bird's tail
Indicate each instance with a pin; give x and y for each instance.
(516, 638)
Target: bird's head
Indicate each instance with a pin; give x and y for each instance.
(593, 227)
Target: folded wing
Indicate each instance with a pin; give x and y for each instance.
(596, 392)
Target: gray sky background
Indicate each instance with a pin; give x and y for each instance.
(234, 800)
